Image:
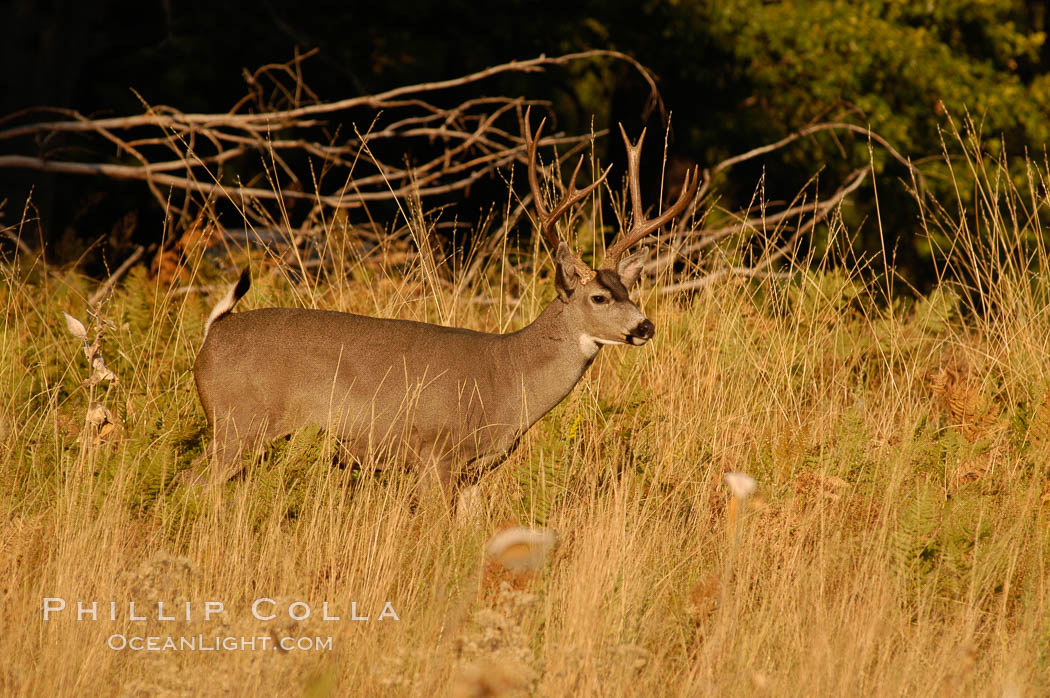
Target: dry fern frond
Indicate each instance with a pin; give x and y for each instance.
(1039, 425)
(963, 403)
(170, 264)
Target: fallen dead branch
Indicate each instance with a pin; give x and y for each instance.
(295, 163)
(684, 243)
(107, 286)
(302, 147)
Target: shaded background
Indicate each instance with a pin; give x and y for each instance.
(733, 74)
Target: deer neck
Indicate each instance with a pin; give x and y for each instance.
(548, 358)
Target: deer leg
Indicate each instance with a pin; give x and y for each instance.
(216, 463)
(221, 459)
(437, 476)
(469, 505)
(435, 481)
(225, 456)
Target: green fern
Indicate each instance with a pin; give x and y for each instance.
(915, 541)
(544, 478)
(934, 312)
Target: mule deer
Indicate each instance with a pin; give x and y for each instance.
(437, 396)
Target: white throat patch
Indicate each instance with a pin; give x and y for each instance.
(590, 345)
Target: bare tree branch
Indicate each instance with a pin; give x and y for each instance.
(414, 147)
(817, 211)
(461, 144)
(268, 119)
(105, 288)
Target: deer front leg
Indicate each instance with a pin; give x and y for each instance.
(463, 503)
(435, 479)
(469, 504)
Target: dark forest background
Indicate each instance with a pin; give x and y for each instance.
(733, 75)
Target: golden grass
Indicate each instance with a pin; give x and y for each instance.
(897, 545)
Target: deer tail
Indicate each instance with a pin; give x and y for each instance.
(229, 300)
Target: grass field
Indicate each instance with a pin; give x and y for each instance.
(897, 543)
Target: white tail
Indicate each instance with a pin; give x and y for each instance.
(228, 301)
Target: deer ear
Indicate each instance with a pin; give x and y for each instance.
(630, 269)
(566, 278)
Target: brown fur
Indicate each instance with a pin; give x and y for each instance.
(403, 391)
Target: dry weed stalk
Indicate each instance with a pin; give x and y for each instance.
(92, 350)
(99, 423)
(492, 651)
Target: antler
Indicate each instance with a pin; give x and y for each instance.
(572, 196)
(643, 226)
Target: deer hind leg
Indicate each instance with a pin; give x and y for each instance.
(221, 459)
(224, 454)
(218, 462)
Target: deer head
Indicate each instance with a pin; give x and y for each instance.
(598, 299)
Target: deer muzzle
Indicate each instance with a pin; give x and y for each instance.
(642, 333)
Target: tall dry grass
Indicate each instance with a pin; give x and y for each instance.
(897, 544)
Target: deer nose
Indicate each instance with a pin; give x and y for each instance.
(645, 329)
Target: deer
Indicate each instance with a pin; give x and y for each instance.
(439, 397)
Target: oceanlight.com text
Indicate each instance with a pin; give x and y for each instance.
(216, 643)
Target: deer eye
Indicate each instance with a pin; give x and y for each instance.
(597, 299)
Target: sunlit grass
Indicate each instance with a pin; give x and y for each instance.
(897, 543)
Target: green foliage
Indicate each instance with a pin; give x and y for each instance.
(944, 547)
(545, 477)
(822, 297)
(916, 73)
(915, 542)
(933, 312)
(853, 439)
(893, 61)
